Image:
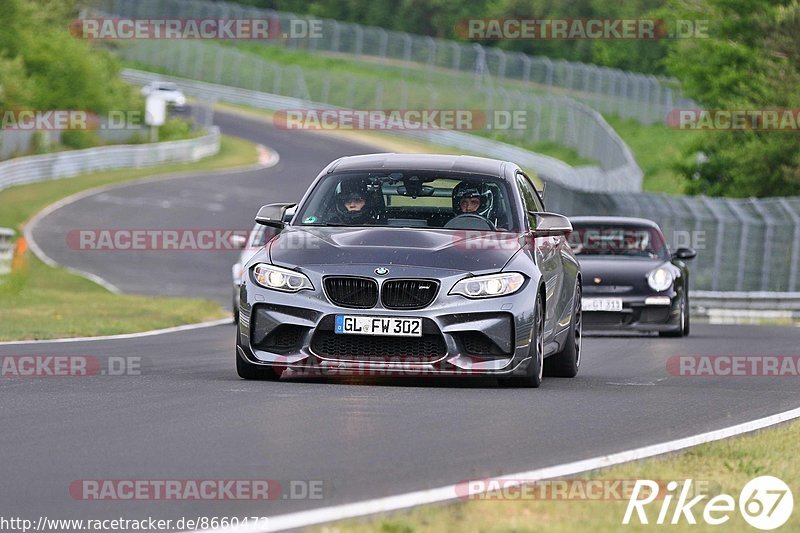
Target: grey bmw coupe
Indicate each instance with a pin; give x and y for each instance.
(413, 265)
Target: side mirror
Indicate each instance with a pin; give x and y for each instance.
(238, 241)
(550, 224)
(288, 215)
(272, 215)
(684, 253)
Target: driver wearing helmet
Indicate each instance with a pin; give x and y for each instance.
(353, 206)
(471, 198)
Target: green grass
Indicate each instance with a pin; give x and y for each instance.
(723, 467)
(657, 148)
(40, 302)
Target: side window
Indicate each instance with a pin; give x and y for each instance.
(529, 197)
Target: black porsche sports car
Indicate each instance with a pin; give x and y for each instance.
(631, 280)
(413, 265)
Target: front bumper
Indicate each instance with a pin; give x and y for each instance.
(293, 332)
(636, 314)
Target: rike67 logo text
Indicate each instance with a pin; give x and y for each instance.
(765, 503)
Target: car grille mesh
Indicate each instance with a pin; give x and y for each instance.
(362, 347)
(408, 293)
(360, 293)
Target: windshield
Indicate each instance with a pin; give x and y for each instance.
(418, 199)
(637, 241)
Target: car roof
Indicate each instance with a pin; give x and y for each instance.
(619, 221)
(392, 161)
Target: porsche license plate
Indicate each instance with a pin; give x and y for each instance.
(378, 325)
(601, 304)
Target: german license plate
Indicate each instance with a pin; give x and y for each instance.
(601, 304)
(378, 325)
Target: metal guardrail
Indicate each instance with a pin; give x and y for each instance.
(66, 164)
(626, 177)
(642, 97)
(6, 250)
(16, 142)
(745, 306)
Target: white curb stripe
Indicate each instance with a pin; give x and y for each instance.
(175, 329)
(448, 492)
(43, 257)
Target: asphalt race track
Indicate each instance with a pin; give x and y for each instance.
(188, 415)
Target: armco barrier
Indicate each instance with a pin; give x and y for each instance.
(738, 306)
(66, 164)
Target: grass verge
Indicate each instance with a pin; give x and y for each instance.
(657, 148)
(722, 467)
(40, 302)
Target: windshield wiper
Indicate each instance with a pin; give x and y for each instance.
(334, 225)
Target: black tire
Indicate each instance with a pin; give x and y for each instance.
(687, 317)
(683, 320)
(567, 362)
(533, 377)
(247, 370)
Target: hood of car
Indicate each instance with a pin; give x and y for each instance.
(618, 270)
(445, 249)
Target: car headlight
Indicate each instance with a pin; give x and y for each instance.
(280, 279)
(489, 286)
(660, 279)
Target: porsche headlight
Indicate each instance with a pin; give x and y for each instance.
(660, 279)
(489, 286)
(280, 279)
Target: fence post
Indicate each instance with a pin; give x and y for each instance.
(744, 238)
(769, 235)
(717, 245)
(456, 55)
(6, 250)
(384, 46)
(526, 67)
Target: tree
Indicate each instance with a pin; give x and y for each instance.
(751, 61)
